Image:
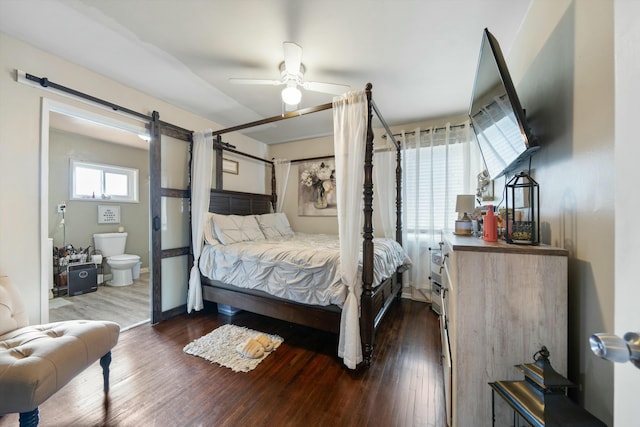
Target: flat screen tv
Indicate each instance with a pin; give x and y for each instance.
(497, 117)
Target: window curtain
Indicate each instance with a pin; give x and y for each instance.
(384, 189)
(437, 165)
(202, 164)
(282, 167)
(350, 128)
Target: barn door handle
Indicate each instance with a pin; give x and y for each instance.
(156, 223)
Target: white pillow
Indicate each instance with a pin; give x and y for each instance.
(236, 228)
(209, 231)
(275, 225)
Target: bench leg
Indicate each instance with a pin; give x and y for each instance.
(105, 361)
(29, 419)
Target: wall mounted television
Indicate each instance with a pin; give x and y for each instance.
(497, 117)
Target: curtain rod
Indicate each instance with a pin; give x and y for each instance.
(331, 156)
(427, 130)
(310, 159)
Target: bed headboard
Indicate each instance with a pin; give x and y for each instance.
(237, 203)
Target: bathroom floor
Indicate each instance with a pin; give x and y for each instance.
(125, 305)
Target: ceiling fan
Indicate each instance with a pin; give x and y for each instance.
(292, 76)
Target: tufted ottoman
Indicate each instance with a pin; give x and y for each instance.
(37, 361)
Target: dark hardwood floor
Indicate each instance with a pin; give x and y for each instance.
(303, 383)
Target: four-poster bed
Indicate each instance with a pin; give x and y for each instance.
(375, 299)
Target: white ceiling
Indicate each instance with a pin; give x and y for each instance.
(420, 55)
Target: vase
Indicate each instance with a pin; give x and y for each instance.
(319, 197)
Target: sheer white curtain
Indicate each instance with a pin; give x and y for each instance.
(437, 165)
(200, 191)
(350, 128)
(282, 167)
(384, 189)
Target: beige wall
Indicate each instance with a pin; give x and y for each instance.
(20, 111)
(562, 65)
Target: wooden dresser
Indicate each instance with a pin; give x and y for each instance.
(502, 303)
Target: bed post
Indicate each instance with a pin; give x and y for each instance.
(218, 147)
(367, 328)
(399, 207)
(398, 196)
(274, 195)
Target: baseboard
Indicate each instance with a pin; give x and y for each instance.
(415, 294)
(423, 295)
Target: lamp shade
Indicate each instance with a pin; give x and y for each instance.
(465, 203)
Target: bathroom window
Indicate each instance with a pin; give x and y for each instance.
(94, 181)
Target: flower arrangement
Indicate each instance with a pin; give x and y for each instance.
(321, 178)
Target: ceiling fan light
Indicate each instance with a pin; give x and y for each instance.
(291, 95)
(290, 107)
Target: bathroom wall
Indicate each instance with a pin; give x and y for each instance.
(81, 217)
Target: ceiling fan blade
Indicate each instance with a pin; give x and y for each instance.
(292, 57)
(331, 88)
(255, 82)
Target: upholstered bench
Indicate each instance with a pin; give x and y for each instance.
(37, 361)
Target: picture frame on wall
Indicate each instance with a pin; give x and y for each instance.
(230, 166)
(317, 188)
(487, 193)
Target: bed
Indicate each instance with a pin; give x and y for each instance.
(375, 299)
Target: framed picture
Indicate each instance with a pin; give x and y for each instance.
(108, 214)
(487, 192)
(230, 166)
(317, 188)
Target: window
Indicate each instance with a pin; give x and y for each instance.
(437, 166)
(93, 181)
(434, 177)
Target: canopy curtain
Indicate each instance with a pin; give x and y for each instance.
(437, 165)
(201, 173)
(282, 167)
(384, 189)
(350, 129)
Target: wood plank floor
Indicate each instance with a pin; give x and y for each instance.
(125, 305)
(303, 383)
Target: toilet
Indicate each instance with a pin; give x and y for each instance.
(111, 245)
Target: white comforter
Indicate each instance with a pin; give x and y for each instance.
(304, 268)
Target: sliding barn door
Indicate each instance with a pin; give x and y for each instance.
(170, 219)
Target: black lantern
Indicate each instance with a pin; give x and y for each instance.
(522, 216)
(540, 399)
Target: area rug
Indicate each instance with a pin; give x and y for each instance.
(219, 346)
